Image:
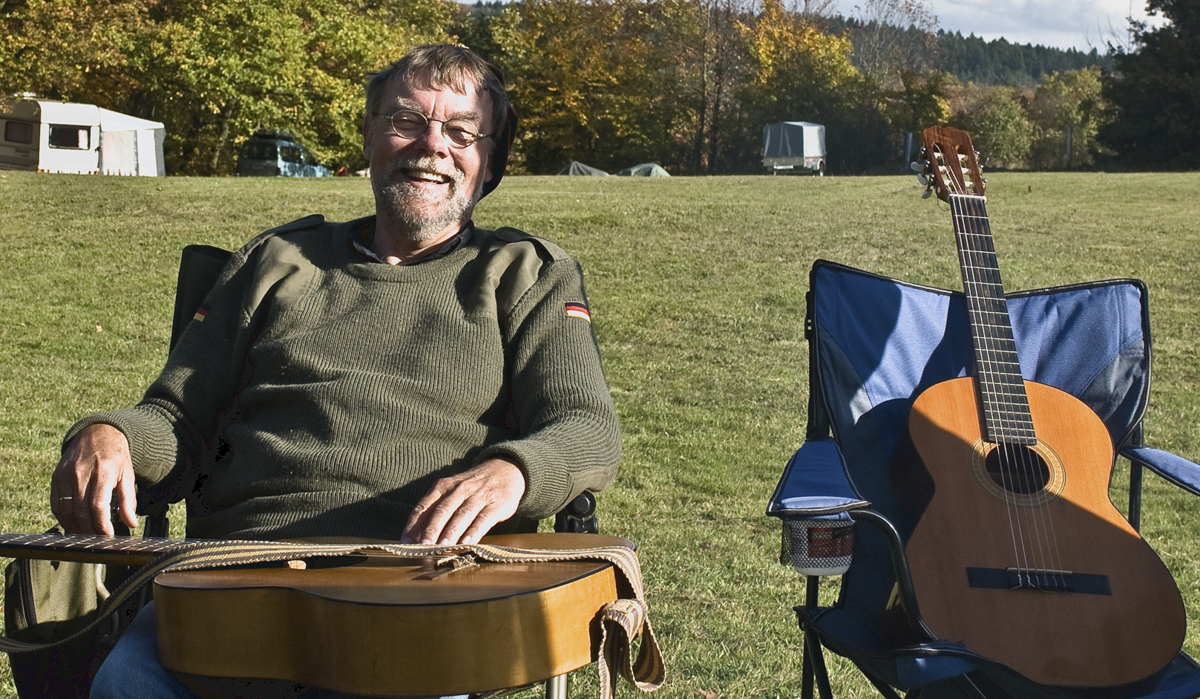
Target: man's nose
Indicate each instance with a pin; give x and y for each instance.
(432, 139)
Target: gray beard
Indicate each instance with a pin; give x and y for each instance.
(404, 203)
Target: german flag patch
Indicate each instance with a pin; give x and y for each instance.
(201, 314)
(578, 310)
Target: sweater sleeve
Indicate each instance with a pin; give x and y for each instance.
(569, 438)
(178, 418)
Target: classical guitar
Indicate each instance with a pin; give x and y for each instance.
(1020, 555)
(374, 624)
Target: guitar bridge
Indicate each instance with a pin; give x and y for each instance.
(1039, 579)
(447, 565)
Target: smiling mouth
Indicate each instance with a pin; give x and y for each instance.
(420, 175)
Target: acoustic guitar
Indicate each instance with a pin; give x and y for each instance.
(373, 624)
(1020, 555)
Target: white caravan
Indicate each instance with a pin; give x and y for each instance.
(50, 136)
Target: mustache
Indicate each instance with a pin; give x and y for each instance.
(427, 164)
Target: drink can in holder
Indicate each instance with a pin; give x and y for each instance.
(818, 545)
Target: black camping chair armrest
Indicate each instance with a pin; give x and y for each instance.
(814, 484)
(579, 516)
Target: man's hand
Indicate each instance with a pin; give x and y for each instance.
(94, 475)
(462, 508)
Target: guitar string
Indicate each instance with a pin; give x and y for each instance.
(997, 411)
(1014, 524)
(1043, 521)
(1009, 405)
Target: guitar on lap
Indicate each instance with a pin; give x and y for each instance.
(1020, 555)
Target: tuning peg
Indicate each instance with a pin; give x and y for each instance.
(917, 167)
(927, 193)
(923, 179)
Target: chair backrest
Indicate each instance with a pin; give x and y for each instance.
(876, 343)
(199, 268)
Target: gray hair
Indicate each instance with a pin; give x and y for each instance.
(444, 66)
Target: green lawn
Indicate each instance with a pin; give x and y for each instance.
(697, 293)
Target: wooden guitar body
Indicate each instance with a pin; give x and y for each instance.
(386, 626)
(1113, 616)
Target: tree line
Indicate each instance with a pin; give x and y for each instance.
(688, 84)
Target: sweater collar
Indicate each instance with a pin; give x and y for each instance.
(362, 234)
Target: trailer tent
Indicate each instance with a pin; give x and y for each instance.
(52, 136)
(793, 146)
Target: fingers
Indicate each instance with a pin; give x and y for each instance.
(462, 508)
(94, 474)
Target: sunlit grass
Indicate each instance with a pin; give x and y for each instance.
(697, 291)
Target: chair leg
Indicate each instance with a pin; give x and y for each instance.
(556, 687)
(813, 668)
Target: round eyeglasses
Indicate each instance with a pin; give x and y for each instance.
(410, 124)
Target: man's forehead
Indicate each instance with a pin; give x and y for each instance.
(400, 92)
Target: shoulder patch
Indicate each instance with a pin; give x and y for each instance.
(578, 310)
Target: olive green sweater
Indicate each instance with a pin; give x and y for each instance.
(332, 391)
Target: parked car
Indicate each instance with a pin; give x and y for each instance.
(276, 153)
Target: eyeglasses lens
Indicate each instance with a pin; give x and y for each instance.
(412, 124)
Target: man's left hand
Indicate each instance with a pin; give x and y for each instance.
(462, 508)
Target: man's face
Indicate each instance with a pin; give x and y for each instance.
(425, 185)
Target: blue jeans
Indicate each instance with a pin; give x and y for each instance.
(133, 671)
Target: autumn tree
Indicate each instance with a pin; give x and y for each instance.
(1067, 112)
(595, 80)
(214, 71)
(74, 49)
(800, 73)
(999, 127)
(892, 38)
(921, 101)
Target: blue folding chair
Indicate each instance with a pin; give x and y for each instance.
(845, 498)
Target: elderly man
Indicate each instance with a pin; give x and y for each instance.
(405, 376)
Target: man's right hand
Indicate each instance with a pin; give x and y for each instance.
(94, 476)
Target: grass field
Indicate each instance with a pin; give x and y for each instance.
(697, 292)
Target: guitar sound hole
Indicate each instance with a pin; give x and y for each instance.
(1017, 469)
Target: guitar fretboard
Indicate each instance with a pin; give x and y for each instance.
(118, 550)
(997, 369)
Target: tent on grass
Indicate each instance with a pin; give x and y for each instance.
(577, 168)
(645, 170)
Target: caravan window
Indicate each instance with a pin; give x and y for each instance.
(77, 137)
(18, 132)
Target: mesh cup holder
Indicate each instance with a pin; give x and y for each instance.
(818, 546)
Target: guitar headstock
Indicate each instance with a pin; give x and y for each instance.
(949, 163)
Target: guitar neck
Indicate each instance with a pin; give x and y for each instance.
(112, 550)
(998, 371)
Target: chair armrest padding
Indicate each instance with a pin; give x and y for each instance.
(814, 484)
(1176, 469)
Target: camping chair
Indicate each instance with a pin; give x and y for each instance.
(199, 269)
(846, 503)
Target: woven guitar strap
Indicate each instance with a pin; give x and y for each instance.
(622, 620)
